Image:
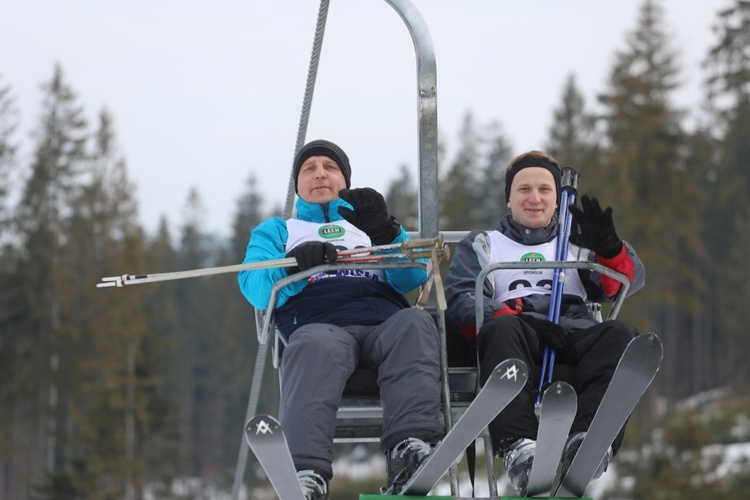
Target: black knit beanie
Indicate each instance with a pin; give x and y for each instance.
(321, 147)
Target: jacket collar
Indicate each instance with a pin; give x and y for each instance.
(527, 235)
(320, 212)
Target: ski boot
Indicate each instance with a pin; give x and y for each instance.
(314, 486)
(402, 461)
(570, 450)
(518, 460)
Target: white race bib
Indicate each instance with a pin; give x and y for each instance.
(515, 283)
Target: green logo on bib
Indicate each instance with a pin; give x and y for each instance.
(532, 257)
(331, 231)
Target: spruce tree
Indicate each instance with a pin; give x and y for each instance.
(8, 148)
(43, 214)
(653, 194)
(247, 216)
(489, 192)
(119, 410)
(197, 349)
(573, 136)
(456, 201)
(471, 192)
(13, 393)
(403, 200)
(728, 89)
(164, 324)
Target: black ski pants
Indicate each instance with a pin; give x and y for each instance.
(595, 355)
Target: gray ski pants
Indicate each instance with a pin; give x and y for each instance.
(320, 358)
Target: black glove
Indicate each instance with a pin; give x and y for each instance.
(597, 229)
(550, 334)
(370, 214)
(310, 254)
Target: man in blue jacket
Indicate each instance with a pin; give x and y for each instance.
(337, 322)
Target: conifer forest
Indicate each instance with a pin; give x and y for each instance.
(109, 394)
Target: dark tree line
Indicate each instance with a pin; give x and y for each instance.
(107, 392)
(679, 195)
(104, 393)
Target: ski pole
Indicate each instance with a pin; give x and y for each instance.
(569, 184)
(411, 249)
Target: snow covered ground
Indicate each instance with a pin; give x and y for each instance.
(364, 462)
(735, 457)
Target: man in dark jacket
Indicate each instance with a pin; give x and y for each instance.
(335, 323)
(516, 305)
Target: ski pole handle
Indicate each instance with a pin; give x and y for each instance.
(569, 179)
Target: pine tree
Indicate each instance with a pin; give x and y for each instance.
(42, 216)
(97, 327)
(728, 65)
(13, 393)
(653, 194)
(197, 351)
(489, 193)
(248, 216)
(471, 192)
(704, 340)
(118, 409)
(403, 200)
(164, 326)
(8, 124)
(457, 186)
(8, 148)
(574, 139)
(728, 86)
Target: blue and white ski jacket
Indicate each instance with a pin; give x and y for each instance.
(348, 298)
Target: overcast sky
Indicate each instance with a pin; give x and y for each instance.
(205, 93)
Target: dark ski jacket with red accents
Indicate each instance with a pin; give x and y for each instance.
(474, 252)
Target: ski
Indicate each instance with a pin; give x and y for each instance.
(266, 438)
(505, 382)
(559, 405)
(633, 375)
